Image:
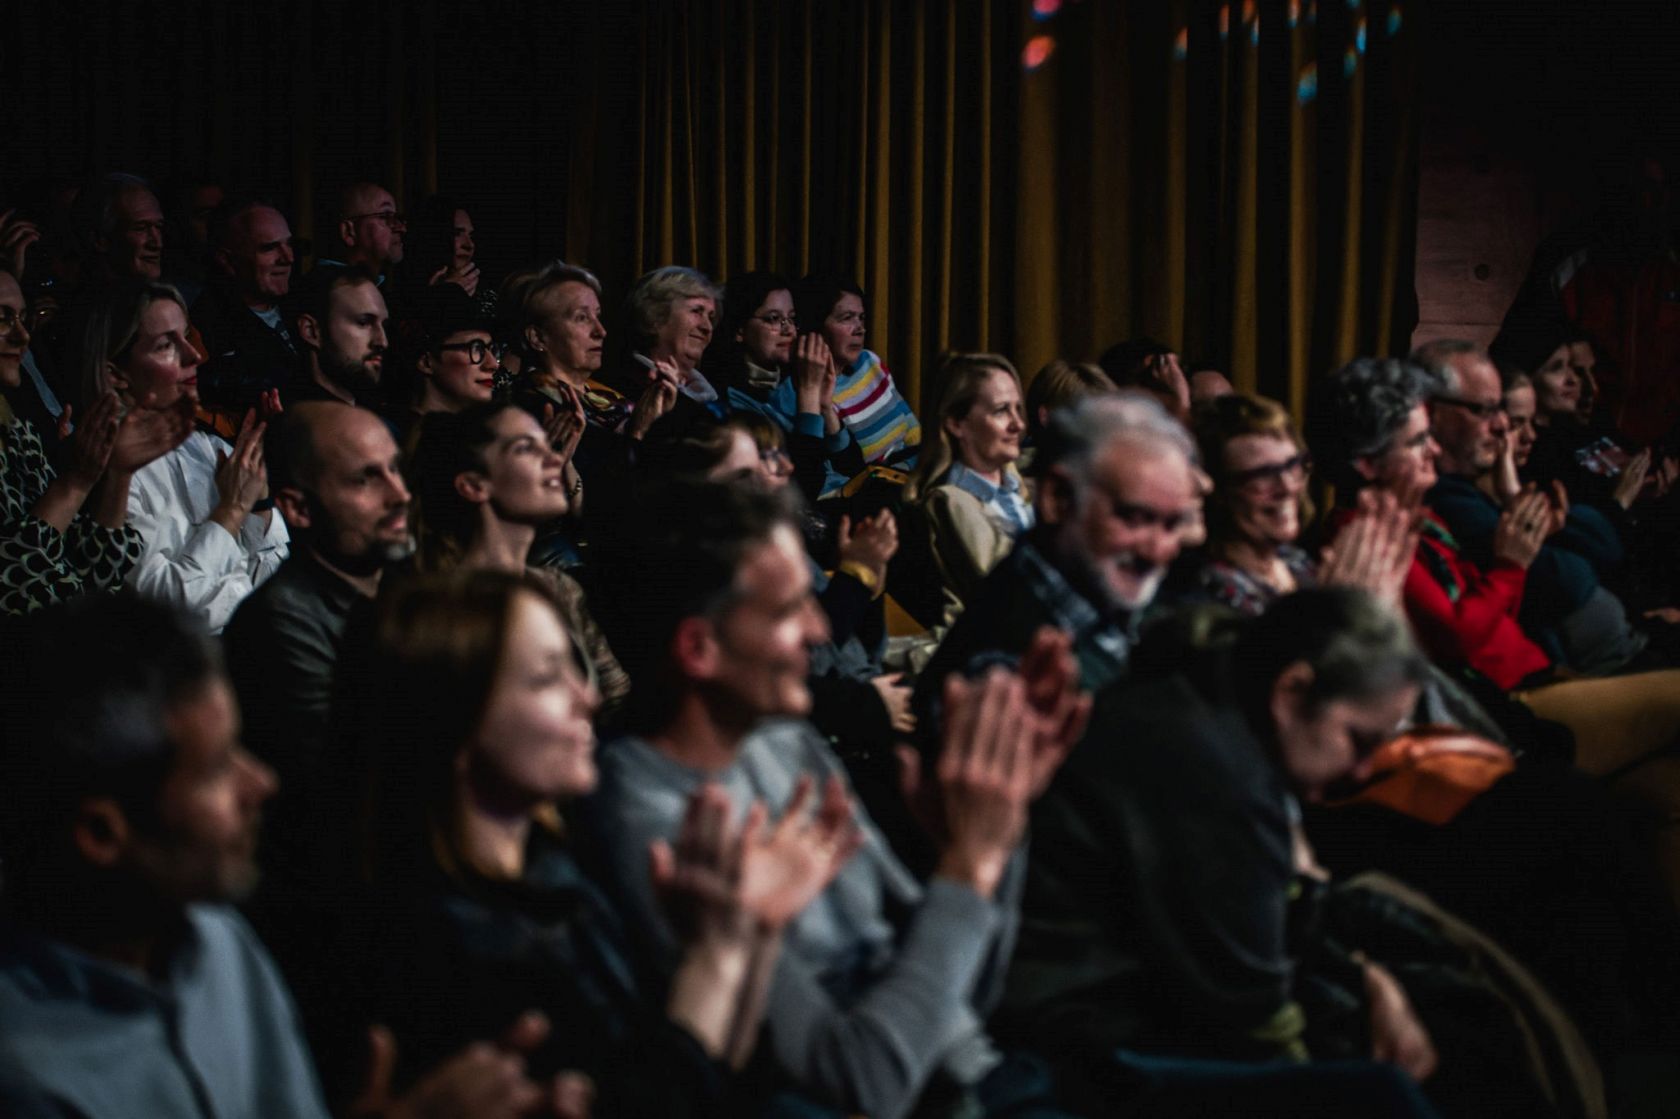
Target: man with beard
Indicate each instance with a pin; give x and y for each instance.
(339, 316)
(1116, 486)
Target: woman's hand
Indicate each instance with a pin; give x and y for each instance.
(564, 426)
(241, 476)
(94, 440)
(466, 278)
(870, 545)
(1506, 483)
(148, 432)
(657, 399)
(1632, 481)
(813, 374)
(787, 866)
(16, 235)
(1374, 552)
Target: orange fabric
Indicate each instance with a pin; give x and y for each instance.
(1433, 773)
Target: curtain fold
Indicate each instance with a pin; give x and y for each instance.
(1037, 177)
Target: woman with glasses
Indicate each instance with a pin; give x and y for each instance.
(449, 356)
(756, 348)
(211, 534)
(1259, 506)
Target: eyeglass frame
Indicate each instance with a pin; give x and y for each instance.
(493, 348)
(1482, 412)
(778, 322)
(1272, 473)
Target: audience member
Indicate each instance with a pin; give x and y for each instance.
(440, 249)
(870, 406)
(370, 230)
(479, 722)
(339, 317)
(207, 542)
(65, 532)
(120, 225)
(486, 479)
(1207, 385)
(672, 312)
(451, 363)
(886, 981)
(250, 347)
(1143, 363)
(1057, 386)
(967, 493)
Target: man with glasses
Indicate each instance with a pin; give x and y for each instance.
(370, 229)
(1565, 606)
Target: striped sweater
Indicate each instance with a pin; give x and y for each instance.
(871, 408)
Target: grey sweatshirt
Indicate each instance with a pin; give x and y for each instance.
(881, 980)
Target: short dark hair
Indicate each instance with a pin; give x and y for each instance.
(313, 295)
(1124, 361)
(742, 295)
(815, 295)
(681, 547)
(87, 699)
(450, 444)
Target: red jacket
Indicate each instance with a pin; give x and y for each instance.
(1463, 615)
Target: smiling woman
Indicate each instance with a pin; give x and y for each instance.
(207, 542)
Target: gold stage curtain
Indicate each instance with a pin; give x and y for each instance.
(1161, 171)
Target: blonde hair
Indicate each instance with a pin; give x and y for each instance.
(1230, 417)
(110, 327)
(959, 378)
(1061, 383)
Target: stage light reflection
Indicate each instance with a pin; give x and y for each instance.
(1044, 9)
(1037, 52)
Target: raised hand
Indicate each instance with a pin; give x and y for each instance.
(985, 777)
(94, 440)
(564, 426)
(1632, 480)
(698, 878)
(870, 544)
(788, 865)
(657, 399)
(1506, 484)
(1375, 550)
(895, 696)
(1523, 528)
(16, 235)
(269, 405)
(1057, 709)
(466, 279)
(241, 476)
(481, 1080)
(1396, 1034)
(813, 373)
(148, 433)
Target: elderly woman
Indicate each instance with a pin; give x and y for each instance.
(757, 347)
(485, 481)
(478, 727)
(210, 534)
(968, 494)
(869, 404)
(672, 312)
(1369, 425)
(64, 534)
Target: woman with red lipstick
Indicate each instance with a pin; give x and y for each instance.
(67, 534)
(210, 535)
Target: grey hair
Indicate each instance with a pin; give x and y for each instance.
(650, 300)
(1436, 357)
(1358, 648)
(1077, 435)
(552, 275)
(1357, 411)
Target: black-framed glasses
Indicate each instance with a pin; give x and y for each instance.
(1290, 469)
(476, 349)
(390, 217)
(1476, 408)
(777, 321)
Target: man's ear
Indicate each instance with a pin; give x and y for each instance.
(473, 486)
(309, 329)
(1289, 693)
(294, 505)
(694, 649)
(100, 831)
(347, 232)
(1055, 497)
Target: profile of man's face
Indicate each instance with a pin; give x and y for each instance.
(353, 340)
(764, 636)
(202, 844)
(136, 244)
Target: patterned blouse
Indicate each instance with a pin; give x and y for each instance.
(38, 564)
(1230, 585)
